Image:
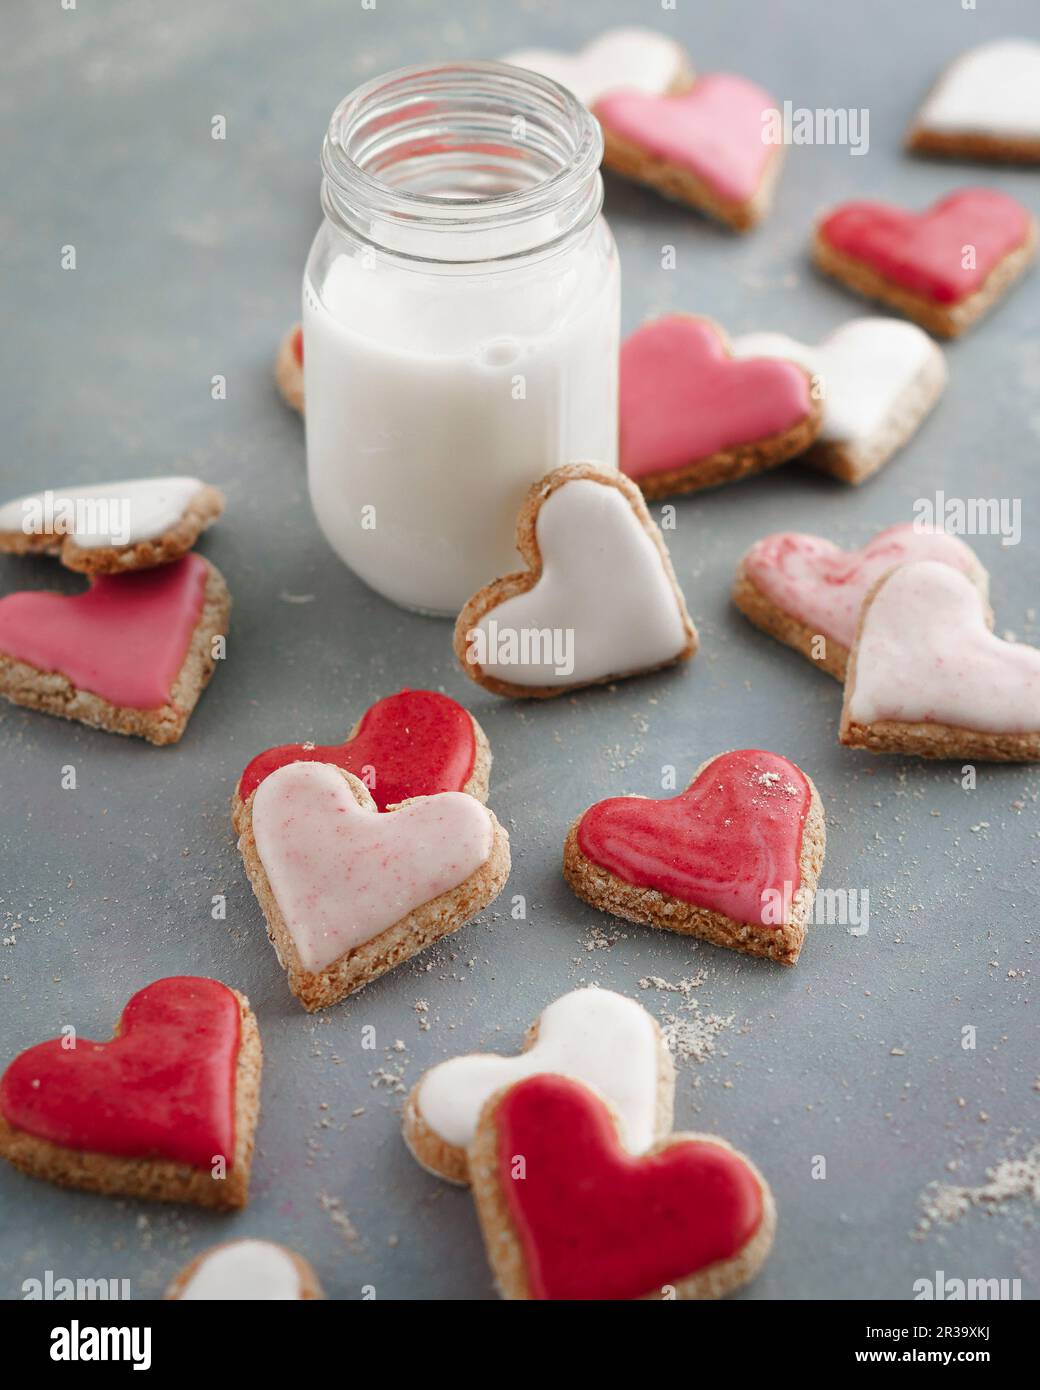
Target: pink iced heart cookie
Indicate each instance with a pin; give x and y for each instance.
(808, 592)
(693, 416)
(349, 892)
(927, 676)
(132, 654)
(707, 146)
(944, 267)
(288, 368)
(986, 105)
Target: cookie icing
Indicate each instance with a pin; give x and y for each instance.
(714, 131)
(823, 586)
(634, 58)
(683, 398)
(342, 873)
(124, 639)
(730, 843)
(122, 513)
(603, 580)
(414, 743)
(993, 89)
(596, 1222)
(924, 252)
(925, 655)
(164, 1087)
(601, 1038)
(862, 371)
(245, 1269)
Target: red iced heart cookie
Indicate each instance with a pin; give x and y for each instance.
(706, 146)
(288, 368)
(693, 416)
(131, 654)
(734, 859)
(944, 267)
(153, 1113)
(415, 743)
(568, 1213)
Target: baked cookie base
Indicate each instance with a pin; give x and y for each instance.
(945, 320)
(451, 1161)
(205, 506)
(967, 144)
(52, 693)
(158, 1180)
(505, 1250)
(310, 1285)
(405, 938)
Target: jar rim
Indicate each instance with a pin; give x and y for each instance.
(420, 98)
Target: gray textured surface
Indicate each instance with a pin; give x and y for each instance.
(190, 253)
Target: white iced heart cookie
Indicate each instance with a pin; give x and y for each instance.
(598, 601)
(634, 58)
(246, 1270)
(111, 528)
(349, 892)
(927, 676)
(986, 105)
(877, 377)
(803, 588)
(592, 1035)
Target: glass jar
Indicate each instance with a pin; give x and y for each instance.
(460, 322)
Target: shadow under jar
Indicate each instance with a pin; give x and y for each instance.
(460, 322)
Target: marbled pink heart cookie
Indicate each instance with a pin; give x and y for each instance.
(348, 891)
(808, 592)
(693, 416)
(927, 676)
(707, 147)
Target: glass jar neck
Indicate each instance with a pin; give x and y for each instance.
(462, 163)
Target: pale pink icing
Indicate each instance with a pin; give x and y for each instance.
(342, 873)
(683, 398)
(715, 130)
(823, 586)
(925, 655)
(124, 639)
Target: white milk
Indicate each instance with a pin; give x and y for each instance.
(434, 399)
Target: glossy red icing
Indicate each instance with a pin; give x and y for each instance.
(594, 1221)
(729, 843)
(164, 1087)
(418, 741)
(297, 345)
(926, 252)
(124, 639)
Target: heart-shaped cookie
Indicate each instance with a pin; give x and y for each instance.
(348, 891)
(706, 146)
(734, 859)
(112, 528)
(629, 57)
(986, 105)
(414, 743)
(603, 1039)
(165, 1110)
(246, 1271)
(599, 600)
(944, 267)
(927, 676)
(288, 368)
(808, 592)
(132, 654)
(693, 416)
(878, 378)
(568, 1213)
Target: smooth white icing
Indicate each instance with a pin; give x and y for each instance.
(603, 579)
(342, 873)
(634, 58)
(990, 90)
(598, 1037)
(862, 371)
(925, 655)
(245, 1269)
(122, 513)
